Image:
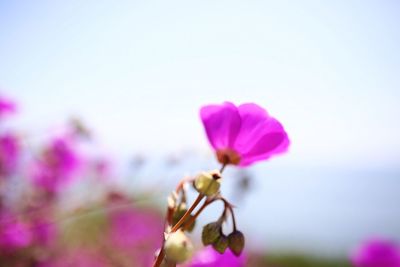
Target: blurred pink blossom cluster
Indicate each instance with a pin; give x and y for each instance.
(377, 252)
(35, 227)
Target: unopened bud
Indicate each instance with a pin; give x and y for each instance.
(211, 232)
(208, 183)
(221, 244)
(178, 247)
(236, 242)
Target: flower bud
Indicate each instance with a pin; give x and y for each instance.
(178, 247)
(236, 242)
(208, 183)
(221, 244)
(211, 232)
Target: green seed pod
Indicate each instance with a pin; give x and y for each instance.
(221, 244)
(236, 242)
(208, 183)
(178, 247)
(211, 232)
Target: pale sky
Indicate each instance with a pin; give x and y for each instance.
(137, 72)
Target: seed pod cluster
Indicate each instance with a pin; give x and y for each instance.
(212, 235)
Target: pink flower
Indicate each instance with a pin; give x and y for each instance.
(77, 258)
(243, 135)
(14, 234)
(57, 166)
(9, 154)
(6, 107)
(44, 231)
(135, 231)
(377, 253)
(208, 257)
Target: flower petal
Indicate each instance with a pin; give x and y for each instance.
(254, 124)
(269, 145)
(222, 124)
(260, 136)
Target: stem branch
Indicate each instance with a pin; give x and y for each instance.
(161, 255)
(176, 227)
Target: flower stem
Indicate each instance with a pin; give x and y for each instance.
(223, 167)
(228, 206)
(160, 257)
(194, 217)
(187, 213)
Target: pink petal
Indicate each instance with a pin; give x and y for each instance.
(269, 145)
(222, 124)
(254, 123)
(260, 136)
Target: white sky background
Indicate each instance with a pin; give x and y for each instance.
(138, 71)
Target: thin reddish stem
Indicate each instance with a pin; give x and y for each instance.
(187, 213)
(160, 257)
(194, 217)
(223, 167)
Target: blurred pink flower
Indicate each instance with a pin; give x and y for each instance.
(6, 106)
(377, 253)
(57, 166)
(136, 231)
(9, 154)
(44, 232)
(14, 234)
(208, 257)
(76, 258)
(243, 135)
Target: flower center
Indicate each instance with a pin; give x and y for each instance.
(228, 156)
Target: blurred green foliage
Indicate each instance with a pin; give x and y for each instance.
(294, 260)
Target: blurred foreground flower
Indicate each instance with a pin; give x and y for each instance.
(243, 135)
(14, 234)
(208, 257)
(135, 232)
(377, 253)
